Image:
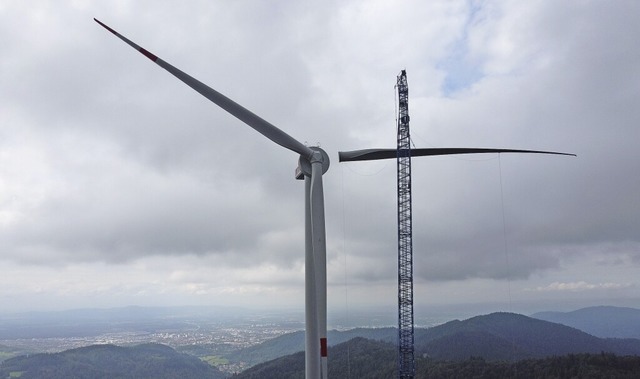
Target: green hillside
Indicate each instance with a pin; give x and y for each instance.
(500, 345)
(509, 336)
(497, 336)
(109, 361)
(362, 358)
(357, 358)
(294, 342)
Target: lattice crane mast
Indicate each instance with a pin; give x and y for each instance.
(406, 361)
(403, 154)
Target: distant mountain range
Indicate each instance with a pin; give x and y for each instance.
(479, 346)
(485, 341)
(508, 336)
(603, 321)
(497, 336)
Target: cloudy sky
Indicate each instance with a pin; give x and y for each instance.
(119, 185)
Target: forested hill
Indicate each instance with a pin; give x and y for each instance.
(509, 336)
(109, 361)
(497, 336)
(498, 345)
(294, 342)
(362, 358)
(357, 358)
(491, 343)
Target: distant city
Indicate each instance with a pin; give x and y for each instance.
(224, 337)
(226, 327)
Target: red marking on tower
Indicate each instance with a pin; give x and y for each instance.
(323, 347)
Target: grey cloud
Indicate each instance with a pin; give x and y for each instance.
(126, 163)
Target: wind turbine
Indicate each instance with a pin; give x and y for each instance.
(403, 154)
(312, 164)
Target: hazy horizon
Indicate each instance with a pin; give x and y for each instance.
(350, 314)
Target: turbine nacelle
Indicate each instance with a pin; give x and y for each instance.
(304, 164)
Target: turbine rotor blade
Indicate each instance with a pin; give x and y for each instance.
(366, 155)
(265, 128)
(375, 154)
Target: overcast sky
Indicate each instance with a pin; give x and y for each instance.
(119, 185)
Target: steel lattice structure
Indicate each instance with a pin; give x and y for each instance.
(406, 362)
(403, 154)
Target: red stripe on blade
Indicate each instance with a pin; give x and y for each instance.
(148, 54)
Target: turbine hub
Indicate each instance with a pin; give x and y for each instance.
(304, 164)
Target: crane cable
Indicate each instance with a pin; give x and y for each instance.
(346, 283)
(507, 261)
(504, 236)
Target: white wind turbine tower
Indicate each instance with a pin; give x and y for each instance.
(312, 164)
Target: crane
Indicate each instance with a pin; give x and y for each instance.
(403, 153)
(406, 361)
